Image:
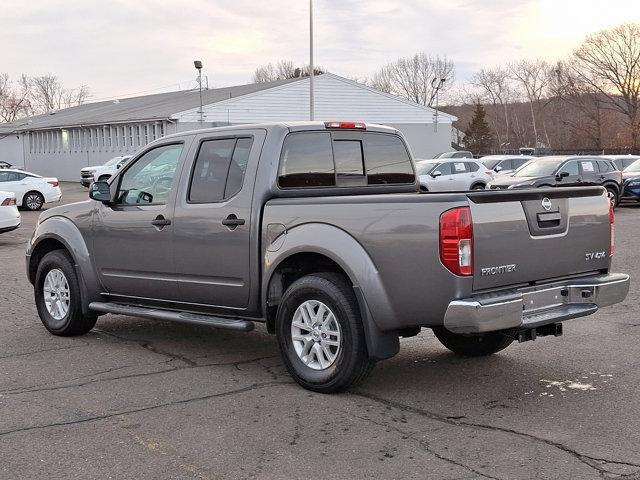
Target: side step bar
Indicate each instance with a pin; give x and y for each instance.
(159, 314)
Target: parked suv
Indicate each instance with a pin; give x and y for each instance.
(561, 171)
(452, 175)
(319, 231)
(88, 175)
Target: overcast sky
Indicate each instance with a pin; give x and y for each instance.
(122, 47)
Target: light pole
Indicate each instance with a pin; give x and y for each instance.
(311, 68)
(437, 84)
(198, 65)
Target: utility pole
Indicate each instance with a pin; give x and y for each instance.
(311, 68)
(198, 65)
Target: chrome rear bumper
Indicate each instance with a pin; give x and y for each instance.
(536, 306)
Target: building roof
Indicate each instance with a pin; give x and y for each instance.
(164, 106)
(159, 106)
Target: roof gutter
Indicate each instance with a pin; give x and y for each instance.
(85, 125)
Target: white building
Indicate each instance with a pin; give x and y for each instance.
(60, 143)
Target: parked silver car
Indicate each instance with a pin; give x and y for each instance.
(453, 175)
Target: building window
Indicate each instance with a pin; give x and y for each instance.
(64, 136)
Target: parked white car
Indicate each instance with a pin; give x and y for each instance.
(504, 164)
(9, 215)
(32, 191)
(88, 175)
(453, 175)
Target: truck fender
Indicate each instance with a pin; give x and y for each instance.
(352, 258)
(63, 231)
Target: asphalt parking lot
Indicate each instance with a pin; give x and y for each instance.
(148, 400)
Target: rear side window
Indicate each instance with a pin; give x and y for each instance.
(605, 166)
(387, 160)
(219, 169)
(588, 166)
(472, 167)
(307, 161)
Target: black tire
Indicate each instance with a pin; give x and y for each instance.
(423, 189)
(477, 345)
(478, 186)
(613, 195)
(32, 201)
(104, 178)
(352, 364)
(74, 322)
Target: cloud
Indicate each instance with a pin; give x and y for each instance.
(124, 46)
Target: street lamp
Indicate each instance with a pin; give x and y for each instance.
(437, 84)
(198, 65)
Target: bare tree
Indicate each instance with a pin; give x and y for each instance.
(283, 70)
(534, 77)
(495, 85)
(579, 104)
(14, 98)
(416, 78)
(609, 61)
(47, 94)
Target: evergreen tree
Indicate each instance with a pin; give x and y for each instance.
(478, 137)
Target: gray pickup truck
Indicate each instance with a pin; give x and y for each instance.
(319, 231)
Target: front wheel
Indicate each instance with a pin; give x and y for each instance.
(33, 201)
(57, 295)
(320, 334)
(478, 186)
(476, 345)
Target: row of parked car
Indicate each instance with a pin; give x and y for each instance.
(619, 174)
(20, 189)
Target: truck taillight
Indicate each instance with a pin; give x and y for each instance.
(612, 231)
(456, 241)
(346, 125)
(8, 202)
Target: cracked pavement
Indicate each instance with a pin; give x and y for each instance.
(156, 400)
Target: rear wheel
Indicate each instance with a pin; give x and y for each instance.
(476, 345)
(57, 295)
(32, 201)
(478, 186)
(320, 334)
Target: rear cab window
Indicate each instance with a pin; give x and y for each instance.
(344, 159)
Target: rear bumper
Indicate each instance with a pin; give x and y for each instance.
(536, 306)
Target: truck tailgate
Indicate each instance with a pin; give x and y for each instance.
(523, 236)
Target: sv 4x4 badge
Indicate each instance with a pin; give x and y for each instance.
(594, 256)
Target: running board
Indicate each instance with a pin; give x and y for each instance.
(158, 314)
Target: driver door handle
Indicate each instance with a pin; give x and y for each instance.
(160, 221)
(232, 221)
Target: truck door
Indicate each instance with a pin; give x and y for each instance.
(132, 237)
(213, 220)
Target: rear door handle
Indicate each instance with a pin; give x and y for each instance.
(232, 221)
(160, 221)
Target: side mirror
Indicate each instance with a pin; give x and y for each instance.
(562, 175)
(435, 174)
(498, 168)
(118, 166)
(100, 191)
